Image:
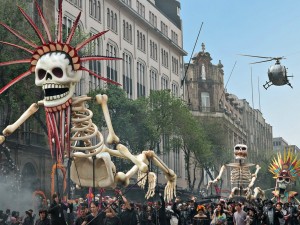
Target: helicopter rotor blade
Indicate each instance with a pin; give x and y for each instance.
(262, 61)
(256, 56)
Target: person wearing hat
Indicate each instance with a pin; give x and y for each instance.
(43, 220)
(29, 219)
(57, 209)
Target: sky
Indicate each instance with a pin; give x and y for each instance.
(265, 28)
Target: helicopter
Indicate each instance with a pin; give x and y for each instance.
(277, 73)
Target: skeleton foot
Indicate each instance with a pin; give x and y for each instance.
(170, 189)
(152, 184)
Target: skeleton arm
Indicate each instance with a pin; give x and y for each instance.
(218, 177)
(12, 128)
(254, 176)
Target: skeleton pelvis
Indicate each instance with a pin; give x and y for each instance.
(82, 171)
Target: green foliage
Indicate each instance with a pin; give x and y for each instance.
(129, 118)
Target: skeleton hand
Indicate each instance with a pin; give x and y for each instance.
(152, 184)
(258, 167)
(2, 139)
(211, 182)
(170, 189)
(142, 178)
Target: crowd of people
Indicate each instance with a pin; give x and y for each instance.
(120, 211)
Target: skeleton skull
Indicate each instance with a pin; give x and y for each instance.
(55, 74)
(240, 151)
(283, 180)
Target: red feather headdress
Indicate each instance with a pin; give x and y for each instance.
(51, 46)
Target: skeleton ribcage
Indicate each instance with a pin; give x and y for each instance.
(83, 129)
(240, 177)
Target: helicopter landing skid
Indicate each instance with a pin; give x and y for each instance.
(267, 84)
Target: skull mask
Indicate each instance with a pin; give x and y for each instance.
(283, 180)
(240, 151)
(55, 74)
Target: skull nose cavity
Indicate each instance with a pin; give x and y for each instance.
(48, 76)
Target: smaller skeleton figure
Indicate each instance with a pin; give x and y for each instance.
(285, 171)
(242, 180)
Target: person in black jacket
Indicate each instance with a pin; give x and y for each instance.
(56, 210)
(159, 215)
(43, 220)
(272, 215)
(128, 215)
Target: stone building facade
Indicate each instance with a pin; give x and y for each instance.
(145, 34)
(207, 97)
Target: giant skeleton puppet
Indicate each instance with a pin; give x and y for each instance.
(56, 64)
(242, 180)
(285, 171)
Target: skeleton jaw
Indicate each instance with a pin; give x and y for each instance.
(57, 94)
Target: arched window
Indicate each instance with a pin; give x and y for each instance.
(108, 17)
(91, 7)
(99, 11)
(141, 90)
(94, 8)
(127, 74)
(111, 68)
(130, 33)
(115, 27)
(112, 20)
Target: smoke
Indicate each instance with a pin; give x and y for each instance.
(13, 197)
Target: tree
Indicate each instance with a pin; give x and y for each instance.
(172, 117)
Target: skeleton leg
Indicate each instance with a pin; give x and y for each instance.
(112, 137)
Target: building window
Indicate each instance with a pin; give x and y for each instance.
(164, 28)
(164, 58)
(174, 37)
(128, 2)
(95, 9)
(153, 50)
(67, 25)
(205, 102)
(174, 65)
(164, 82)
(175, 89)
(112, 20)
(127, 74)
(153, 80)
(111, 65)
(152, 19)
(95, 47)
(127, 31)
(140, 8)
(141, 79)
(141, 41)
(77, 3)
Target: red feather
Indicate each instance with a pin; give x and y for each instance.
(17, 79)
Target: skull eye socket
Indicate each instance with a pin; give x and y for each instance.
(41, 74)
(240, 148)
(57, 72)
